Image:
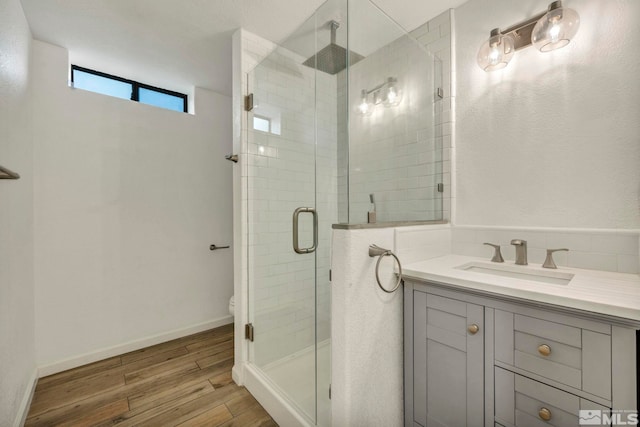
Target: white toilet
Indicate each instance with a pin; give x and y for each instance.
(232, 305)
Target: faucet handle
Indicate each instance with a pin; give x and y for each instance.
(548, 262)
(497, 256)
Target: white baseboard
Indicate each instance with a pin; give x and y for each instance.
(25, 404)
(94, 356)
(236, 374)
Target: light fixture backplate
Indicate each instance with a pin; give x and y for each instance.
(521, 32)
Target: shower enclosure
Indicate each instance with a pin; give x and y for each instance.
(341, 110)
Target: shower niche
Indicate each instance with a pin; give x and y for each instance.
(343, 112)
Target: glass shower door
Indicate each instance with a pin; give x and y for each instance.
(283, 238)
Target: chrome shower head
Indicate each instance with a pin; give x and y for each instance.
(333, 58)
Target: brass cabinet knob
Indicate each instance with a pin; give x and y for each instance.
(473, 329)
(544, 350)
(544, 414)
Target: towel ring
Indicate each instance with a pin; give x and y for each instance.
(380, 253)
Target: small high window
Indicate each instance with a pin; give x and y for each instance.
(261, 123)
(107, 84)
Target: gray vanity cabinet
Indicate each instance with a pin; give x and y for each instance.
(472, 359)
(447, 356)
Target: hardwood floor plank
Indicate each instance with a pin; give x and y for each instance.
(158, 370)
(53, 415)
(99, 415)
(240, 404)
(135, 416)
(145, 371)
(173, 416)
(255, 416)
(74, 390)
(180, 342)
(215, 358)
(211, 418)
(221, 380)
(82, 371)
(209, 342)
(57, 395)
(185, 382)
(147, 401)
(153, 359)
(150, 386)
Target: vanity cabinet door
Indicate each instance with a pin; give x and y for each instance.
(448, 357)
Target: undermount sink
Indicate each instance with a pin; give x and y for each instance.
(518, 272)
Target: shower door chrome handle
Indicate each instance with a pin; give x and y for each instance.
(296, 245)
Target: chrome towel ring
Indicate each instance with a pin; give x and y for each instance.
(377, 251)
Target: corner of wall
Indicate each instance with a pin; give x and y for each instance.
(27, 398)
(18, 372)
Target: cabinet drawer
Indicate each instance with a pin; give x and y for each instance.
(531, 403)
(566, 354)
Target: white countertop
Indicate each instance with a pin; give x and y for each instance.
(612, 294)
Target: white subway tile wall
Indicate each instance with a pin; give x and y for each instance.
(435, 37)
(608, 250)
(396, 152)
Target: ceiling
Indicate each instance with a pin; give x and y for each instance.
(178, 44)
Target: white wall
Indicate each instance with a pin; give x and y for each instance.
(17, 346)
(366, 333)
(552, 140)
(128, 198)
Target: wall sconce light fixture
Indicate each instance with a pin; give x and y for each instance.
(386, 93)
(547, 31)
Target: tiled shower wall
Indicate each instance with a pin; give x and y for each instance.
(400, 153)
(278, 174)
(296, 168)
(436, 36)
(393, 152)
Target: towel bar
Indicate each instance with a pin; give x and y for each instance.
(8, 174)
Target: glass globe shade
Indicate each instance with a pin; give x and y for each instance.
(496, 52)
(556, 28)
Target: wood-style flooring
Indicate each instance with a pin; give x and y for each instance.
(184, 382)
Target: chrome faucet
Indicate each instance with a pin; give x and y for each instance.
(548, 262)
(497, 256)
(521, 251)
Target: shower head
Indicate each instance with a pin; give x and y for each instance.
(333, 58)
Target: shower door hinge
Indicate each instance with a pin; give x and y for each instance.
(329, 274)
(248, 102)
(329, 391)
(440, 187)
(248, 332)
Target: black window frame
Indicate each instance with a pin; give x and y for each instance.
(135, 86)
